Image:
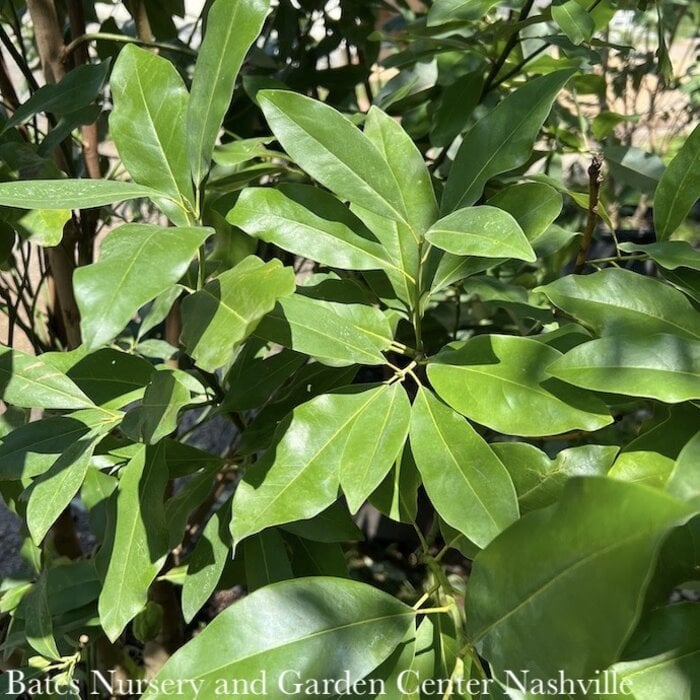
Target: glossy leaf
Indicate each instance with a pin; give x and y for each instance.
(29, 382)
(298, 476)
(232, 27)
(502, 382)
(397, 496)
(663, 659)
(137, 263)
(443, 11)
(39, 625)
(207, 562)
(373, 442)
(227, 310)
(684, 481)
(634, 167)
(336, 334)
(321, 628)
(614, 302)
(266, 560)
(465, 481)
(30, 450)
(679, 187)
(140, 542)
(669, 254)
(410, 172)
(333, 151)
(156, 417)
(534, 205)
(574, 21)
(108, 377)
(598, 546)
(147, 123)
(485, 231)
(69, 194)
(51, 494)
(540, 480)
(502, 140)
(664, 367)
(267, 214)
(78, 88)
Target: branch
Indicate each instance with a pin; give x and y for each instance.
(120, 39)
(594, 175)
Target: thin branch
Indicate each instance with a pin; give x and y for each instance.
(120, 39)
(594, 180)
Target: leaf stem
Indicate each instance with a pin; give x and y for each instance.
(120, 39)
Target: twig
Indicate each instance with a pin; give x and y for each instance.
(119, 39)
(594, 175)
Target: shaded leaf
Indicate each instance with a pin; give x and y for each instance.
(137, 263)
(597, 546)
(614, 302)
(574, 21)
(502, 382)
(664, 367)
(217, 318)
(266, 560)
(679, 187)
(502, 140)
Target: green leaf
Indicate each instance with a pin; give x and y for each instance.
(227, 310)
(409, 169)
(634, 167)
(502, 140)
(665, 660)
(207, 562)
(502, 382)
(140, 540)
(465, 481)
(373, 442)
(455, 107)
(29, 382)
(69, 194)
(298, 631)
(679, 188)
(232, 27)
(684, 481)
(77, 89)
(334, 524)
(257, 375)
(333, 151)
(267, 214)
(664, 367)
(397, 496)
(39, 625)
(540, 480)
(53, 491)
(109, 377)
(615, 302)
(597, 547)
(266, 560)
(298, 476)
(310, 558)
(669, 254)
(485, 231)
(31, 449)
(156, 417)
(147, 124)
(43, 226)
(574, 21)
(533, 205)
(336, 334)
(137, 263)
(650, 458)
(443, 11)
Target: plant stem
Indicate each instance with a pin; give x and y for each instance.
(594, 175)
(119, 39)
